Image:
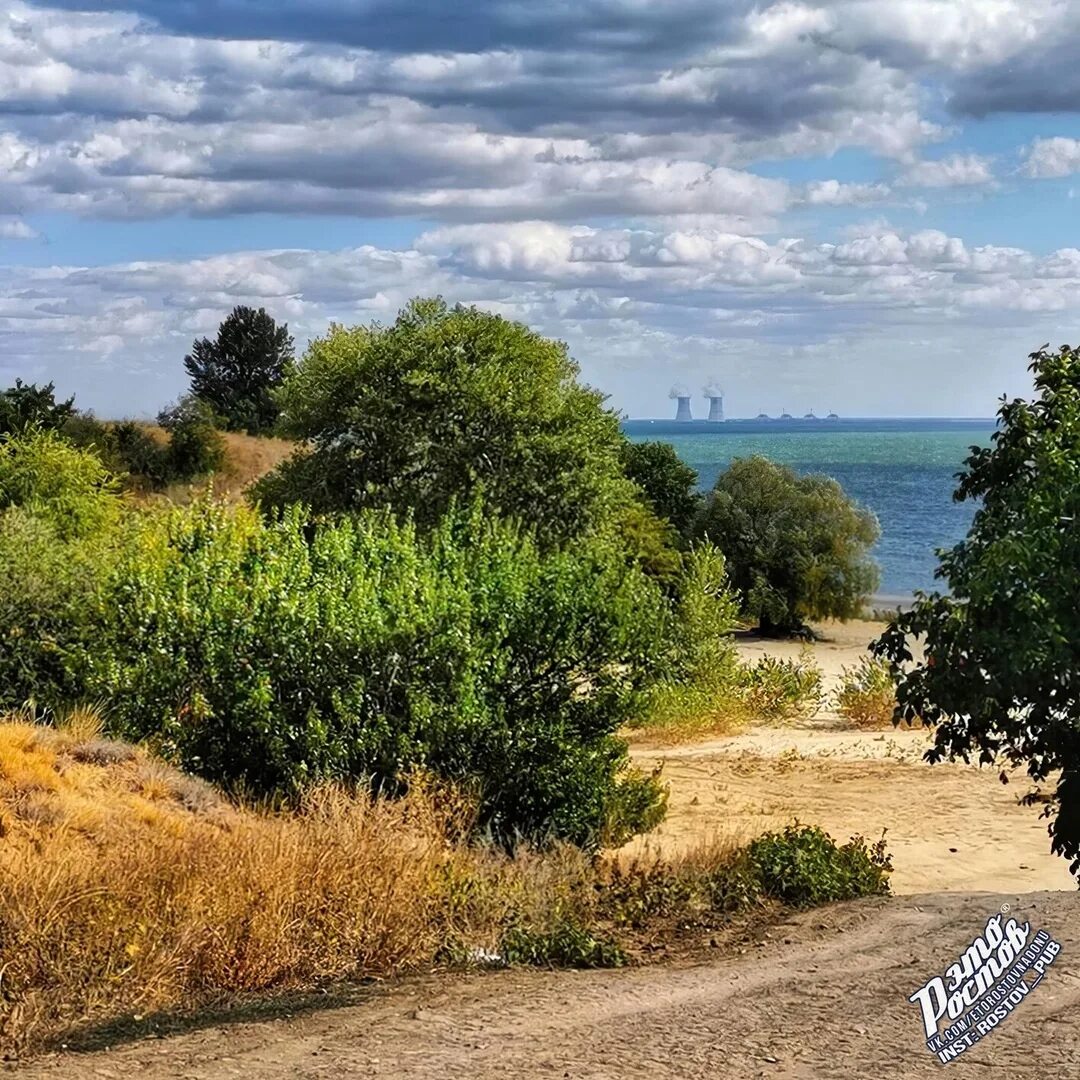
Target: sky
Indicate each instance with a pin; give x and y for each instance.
(860, 206)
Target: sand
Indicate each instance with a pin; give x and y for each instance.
(822, 995)
(950, 827)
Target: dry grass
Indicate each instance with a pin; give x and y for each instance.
(128, 888)
(867, 695)
(249, 457)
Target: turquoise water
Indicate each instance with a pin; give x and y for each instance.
(905, 471)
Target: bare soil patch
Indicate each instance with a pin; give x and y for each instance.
(823, 996)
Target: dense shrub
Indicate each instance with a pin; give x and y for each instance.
(444, 403)
(148, 461)
(46, 588)
(670, 487)
(803, 866)
(775, 688)
(27, 405)
(797, 547)
(196, 447)
(268, 656)
(58, 505)
(69, 488)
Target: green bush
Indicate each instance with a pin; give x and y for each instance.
(44, 606)
(697, 690)
(568, 943)
(58, 506)
(804, 866)
(781, 689)
(196, 447)
(670, 487)
(797, 547)
(69, 488)
(270, 655)
(27, 405)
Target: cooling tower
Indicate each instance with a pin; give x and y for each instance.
(716, 407)
(683, 411)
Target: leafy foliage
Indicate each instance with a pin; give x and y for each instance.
(1002, 650)
(669, 486)
(796, 546)
(781, 689)
(804, 866)
(69, 488)
(442, 404)
(268, 656)
(867, 693)
(236, 373)
(57, 505)
(26, 405)
(44, 613)
(195, 444)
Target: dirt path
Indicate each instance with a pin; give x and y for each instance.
(824, 996)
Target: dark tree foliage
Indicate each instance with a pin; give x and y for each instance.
(669, 485)
(797, 547)
(27, 404)
(1000, 674)
(236, 374)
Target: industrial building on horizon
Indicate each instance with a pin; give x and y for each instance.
(714, 394)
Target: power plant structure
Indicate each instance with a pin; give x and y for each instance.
(683, 411)
(715, 396)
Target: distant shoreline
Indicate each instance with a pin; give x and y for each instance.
(795, 425)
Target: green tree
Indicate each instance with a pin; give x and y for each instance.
(273, 654)
(797, 547)
(441, 404)
(29, 405)
(47, 476)
(1001, 651)
(236, 374)
(668, 484)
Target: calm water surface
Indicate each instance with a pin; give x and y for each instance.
(903, 470)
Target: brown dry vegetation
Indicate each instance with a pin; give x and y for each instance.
(128, 888)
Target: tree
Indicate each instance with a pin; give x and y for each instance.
(1001, 651)
(27, 404)
(236, 374)
(669, 485)
(443, 403)
(797, 547)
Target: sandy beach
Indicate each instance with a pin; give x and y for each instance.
(949, 827)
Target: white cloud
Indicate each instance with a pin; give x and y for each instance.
(630, 301)
(12, 228)
(956, 170)
(1050, 158)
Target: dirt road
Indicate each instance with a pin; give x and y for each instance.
(824, 996)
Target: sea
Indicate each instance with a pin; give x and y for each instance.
(903, 470)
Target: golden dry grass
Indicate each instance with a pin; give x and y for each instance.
(129, 889)
(249, 457)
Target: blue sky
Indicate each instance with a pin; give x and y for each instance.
(866, 205)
